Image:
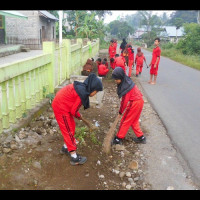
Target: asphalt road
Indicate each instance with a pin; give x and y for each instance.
(176, 99)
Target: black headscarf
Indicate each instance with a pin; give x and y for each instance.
(91, 83)
(123, 44)
(126, 85)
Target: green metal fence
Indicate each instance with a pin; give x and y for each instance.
(25, 83)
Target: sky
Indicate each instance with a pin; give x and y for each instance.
(116, 13)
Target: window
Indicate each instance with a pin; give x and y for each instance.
(1, 22)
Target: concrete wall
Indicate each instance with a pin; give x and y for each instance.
(30, 28)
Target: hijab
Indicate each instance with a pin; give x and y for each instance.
(126, 83)
(91, 83)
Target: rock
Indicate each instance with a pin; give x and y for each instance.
(115, 106)
(136, 178)
(170, 188)
(133, 184)
(128, 187)
(39, 131)
(13, 145)
(37, 165)
(17, 139)
(22, 135)
(98, 162)
(124, 184)
(133, 165)
(128, 174)
(119, 147)
(6, 150)
(101, 176)
(121, 174)
(130, 180)
(54, 122)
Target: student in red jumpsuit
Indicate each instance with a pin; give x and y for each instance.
(66, 104)
(130, 59)
(112, 51)
(155, 61)
(132, 103)
(139, 59)
(103, 70)
(120, 62)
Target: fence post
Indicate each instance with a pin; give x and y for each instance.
(67, 44)
(5, 113)
(1, 125)
(90, 48)
(80, 41)
(17, 98)
(23, 93)
(49, 47)
(11, 102)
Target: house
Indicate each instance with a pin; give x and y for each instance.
(3, 15)
(138, 34)
(171, 33)
(40, 26)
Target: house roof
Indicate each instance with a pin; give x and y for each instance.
(171, 31)
(12, 13)
(47, 14)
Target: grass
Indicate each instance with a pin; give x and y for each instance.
(188, 60)
(83, 132)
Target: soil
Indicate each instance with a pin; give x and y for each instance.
(41, 166)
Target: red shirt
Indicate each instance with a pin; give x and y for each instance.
(139, 59)
(102, 70)
(98, 63)
(130, 54)
(67, 100)
(120, 62)
(156, 53)
(133, 95)
(112, 50)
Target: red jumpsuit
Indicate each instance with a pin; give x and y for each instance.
(130, 60)
(112, 52)
(65, 106)
(120, 62)
(132, 114)
(103, 70)
(139, 63)
(98, 63)
(156, 53)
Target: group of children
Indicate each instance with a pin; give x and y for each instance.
(69, 99)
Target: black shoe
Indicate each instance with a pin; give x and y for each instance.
(116, 140)
(139, 72)
(79, 160)
(141, 139)
(136, 75)
(64, 151)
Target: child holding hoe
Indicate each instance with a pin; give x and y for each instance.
(66, 104)
(132, 101)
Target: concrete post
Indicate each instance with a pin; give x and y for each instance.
(49, 47)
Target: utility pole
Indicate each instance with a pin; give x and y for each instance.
(60, 26)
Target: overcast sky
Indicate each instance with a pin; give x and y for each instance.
(116, 13)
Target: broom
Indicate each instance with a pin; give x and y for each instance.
(109, 136)
(89, 124)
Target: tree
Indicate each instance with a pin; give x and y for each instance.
(121, 29)
(188, 16)
(152, 24)
(190, 44)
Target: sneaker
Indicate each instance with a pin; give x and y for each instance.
(141, 139)
(64, 151)
(79, 160)
(116, 140)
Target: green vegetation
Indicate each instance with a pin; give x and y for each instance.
(82, 132)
